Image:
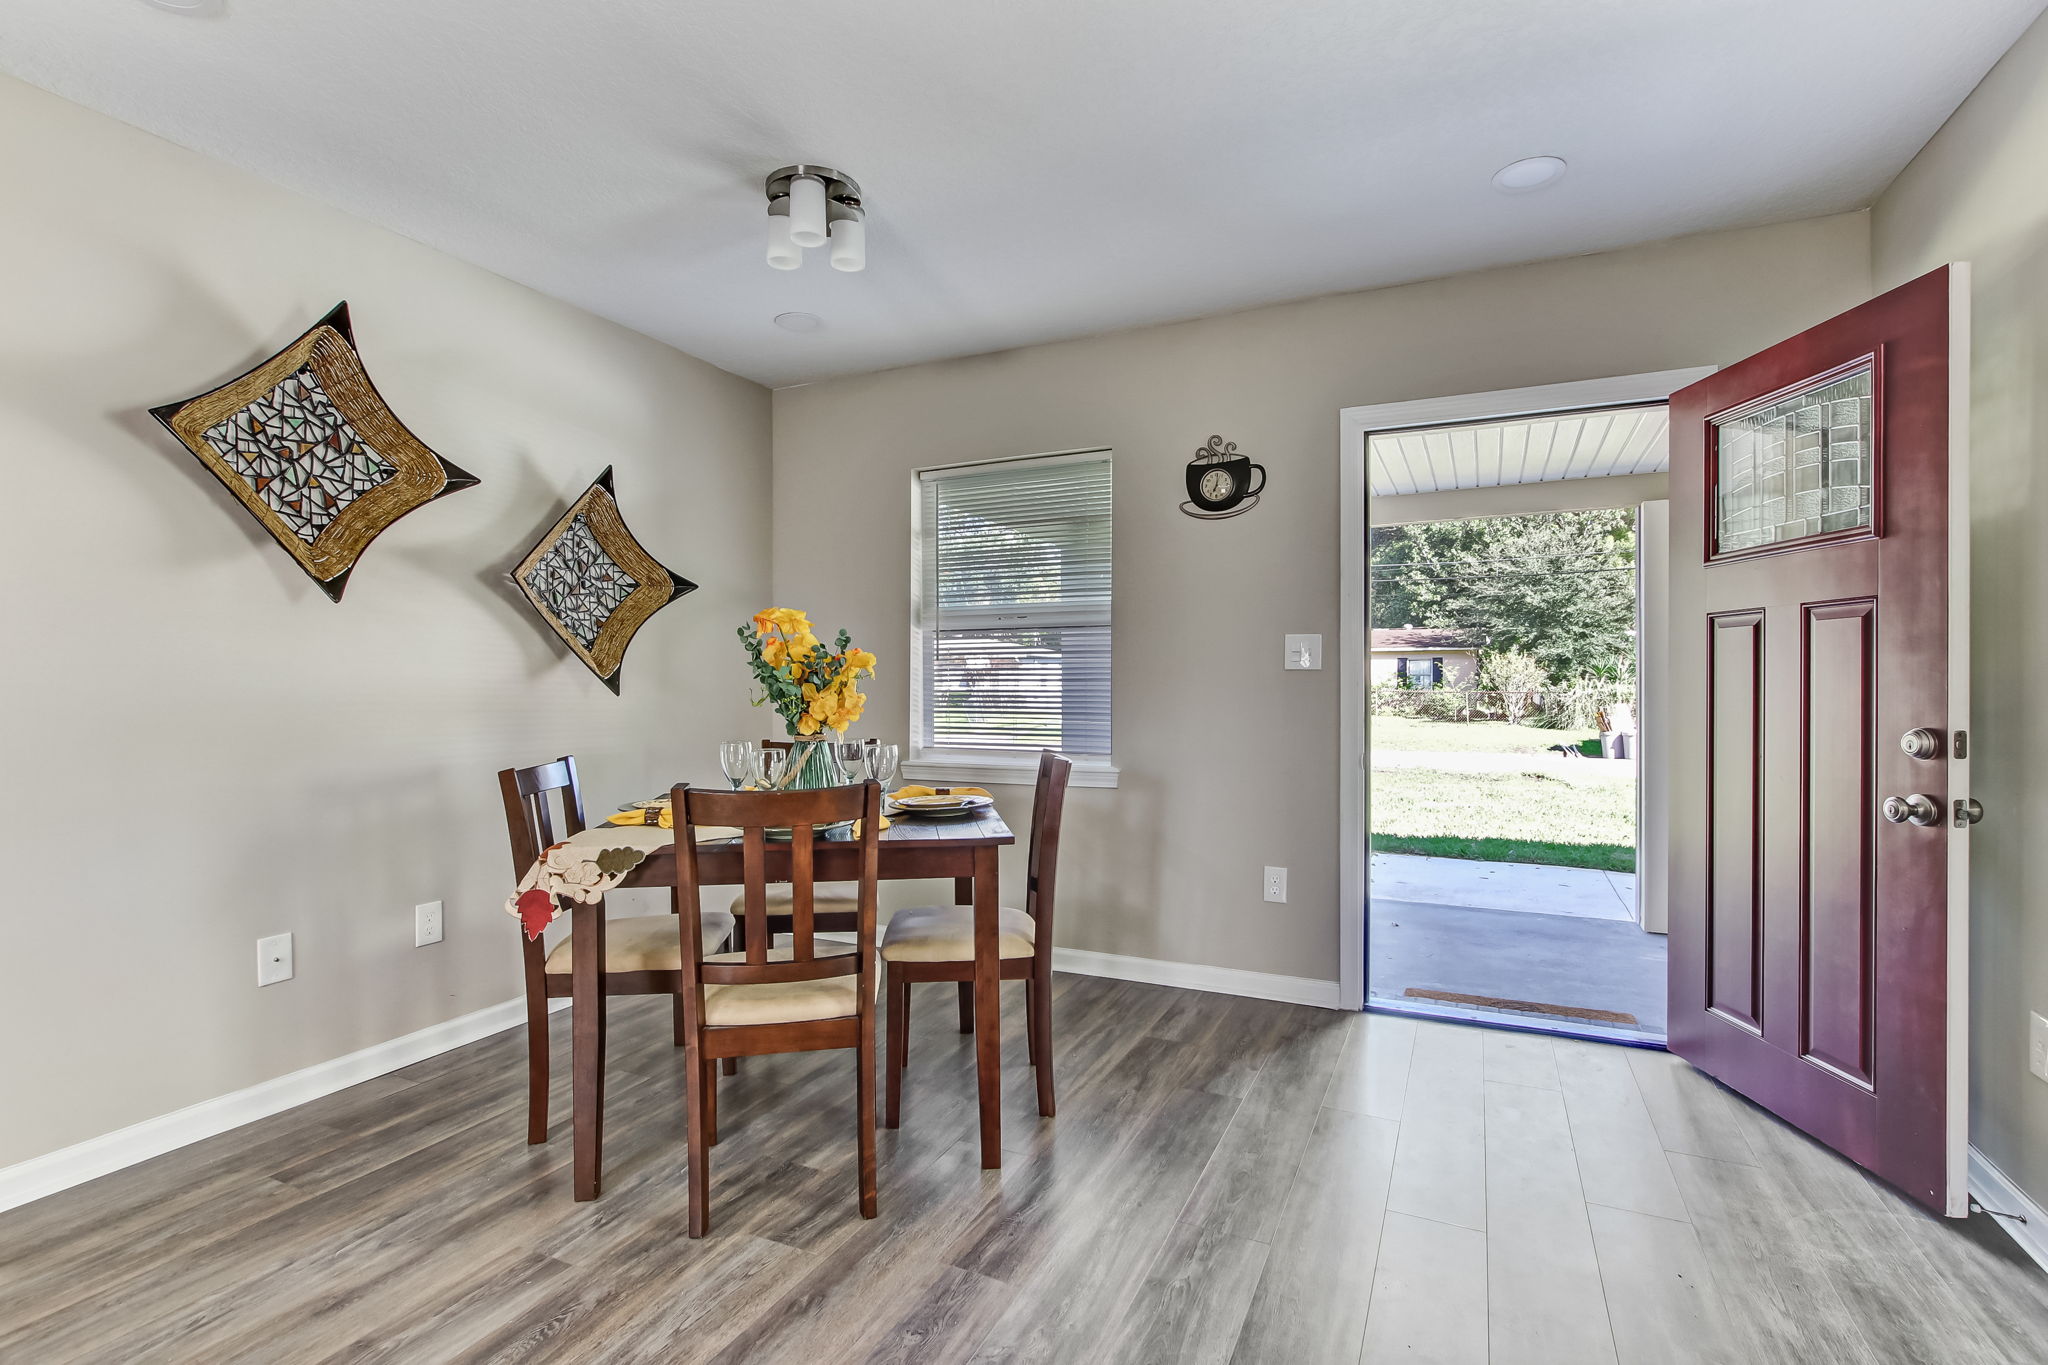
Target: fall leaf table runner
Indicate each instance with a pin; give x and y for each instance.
(584, 866)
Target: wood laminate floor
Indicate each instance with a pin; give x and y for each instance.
(1228, 1180)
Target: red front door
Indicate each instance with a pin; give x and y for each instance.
(1818, 635)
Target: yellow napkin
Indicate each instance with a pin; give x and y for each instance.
(900, 793)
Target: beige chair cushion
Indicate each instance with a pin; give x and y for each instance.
(826, 898)
(646, 943)
(945, 933)
(783, 1002)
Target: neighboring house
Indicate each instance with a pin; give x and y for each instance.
(1426, 658)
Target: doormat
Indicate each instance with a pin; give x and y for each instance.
(1522, 1006)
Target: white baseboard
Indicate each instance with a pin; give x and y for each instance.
(60, 1170)
(1194, 976)
(1994, 1189)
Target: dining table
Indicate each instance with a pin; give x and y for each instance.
(912, 847)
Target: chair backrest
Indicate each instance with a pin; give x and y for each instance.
(754, 814)
(527, 817)
(782, 744)
(1048, 804)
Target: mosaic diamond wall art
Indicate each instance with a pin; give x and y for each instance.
(309, 447)
(593, 584)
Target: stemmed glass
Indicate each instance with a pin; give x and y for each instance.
(736, 756)
(851, 756)
(768, 766)
(881, 762)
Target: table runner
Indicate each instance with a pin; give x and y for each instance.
(584, 866)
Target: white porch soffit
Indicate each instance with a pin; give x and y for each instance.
(1580, 445)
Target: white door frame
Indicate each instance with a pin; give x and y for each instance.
(1354, 425)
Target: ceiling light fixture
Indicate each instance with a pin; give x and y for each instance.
(1530, 173)
(186, 6)
(809, 206)
(799, 322)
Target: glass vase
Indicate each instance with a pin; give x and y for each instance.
(811, 765)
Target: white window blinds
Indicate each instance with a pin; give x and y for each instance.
(1012, 607)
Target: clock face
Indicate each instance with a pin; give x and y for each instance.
(1217, 485)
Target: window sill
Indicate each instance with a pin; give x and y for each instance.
(1004, 772)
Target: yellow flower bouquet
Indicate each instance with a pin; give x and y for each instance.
(813, 688)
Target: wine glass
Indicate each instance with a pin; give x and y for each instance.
(768, 766)
(852, 756)
(736, 756)
(881, 760)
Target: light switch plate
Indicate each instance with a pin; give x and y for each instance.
(426, 924)
(2037, 1045)
(1304, 651)
(273, 959)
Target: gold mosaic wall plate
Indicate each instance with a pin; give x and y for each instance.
(307, 444)
(594, 584)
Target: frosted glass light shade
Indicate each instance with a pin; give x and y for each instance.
(807, 211)
(849, 245)
(783, 253)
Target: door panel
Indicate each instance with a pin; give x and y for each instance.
(1840, 814)
(1811, 600)
(1734, 892)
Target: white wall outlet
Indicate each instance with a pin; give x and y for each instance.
(2037, 1045)
(426, 924)
(273, 959)
(1276, 884)
(1304, 651)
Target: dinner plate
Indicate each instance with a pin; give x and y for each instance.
(658, 803)
(954, 801)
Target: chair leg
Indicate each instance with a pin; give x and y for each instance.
(864, 1090)
(899, 1047)
(730, 1066)
(1040, 1024)
(682, 1031)
(700, 1147)
(1031, 1021)
(536, 1069)
(711, 1102)
(967, 1007)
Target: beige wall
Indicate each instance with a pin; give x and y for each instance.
(1229, 762)
(1977, 193)
(201, 748)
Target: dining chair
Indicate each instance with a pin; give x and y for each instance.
(806, 995)
(641, 954)
(936, 943)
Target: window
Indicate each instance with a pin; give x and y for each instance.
(1011, 617)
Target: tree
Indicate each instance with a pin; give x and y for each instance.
(1558, 586)
(1514, 675)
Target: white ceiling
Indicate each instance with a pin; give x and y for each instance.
(1585, 445)
(1035, 169)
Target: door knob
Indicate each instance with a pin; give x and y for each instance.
(1921, 743)
(1917, 809)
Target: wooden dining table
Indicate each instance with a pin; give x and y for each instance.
(964, 849)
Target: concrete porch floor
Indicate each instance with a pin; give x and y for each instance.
(1563, 938)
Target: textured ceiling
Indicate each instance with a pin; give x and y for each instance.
(1034, 170)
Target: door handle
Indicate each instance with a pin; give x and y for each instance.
(1917, 809)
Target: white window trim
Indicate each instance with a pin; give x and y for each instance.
(961, 766)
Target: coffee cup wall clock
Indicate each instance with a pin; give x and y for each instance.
(1220, 482)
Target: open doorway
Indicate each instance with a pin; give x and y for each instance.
(1502, 706)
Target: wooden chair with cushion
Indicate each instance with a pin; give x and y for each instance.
(804, 996)
(833, 903)
(642, 955)
(936, 943)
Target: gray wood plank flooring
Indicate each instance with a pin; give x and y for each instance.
(1228, 1181)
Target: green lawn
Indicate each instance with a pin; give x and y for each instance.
(1505, 817)
(1470, 737)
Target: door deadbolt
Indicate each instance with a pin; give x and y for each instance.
(1917, 809)
(1921, 743)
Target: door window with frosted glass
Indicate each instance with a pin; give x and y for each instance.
(1796, 467)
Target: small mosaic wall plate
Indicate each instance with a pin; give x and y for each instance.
(307, 444)
(594, 584)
